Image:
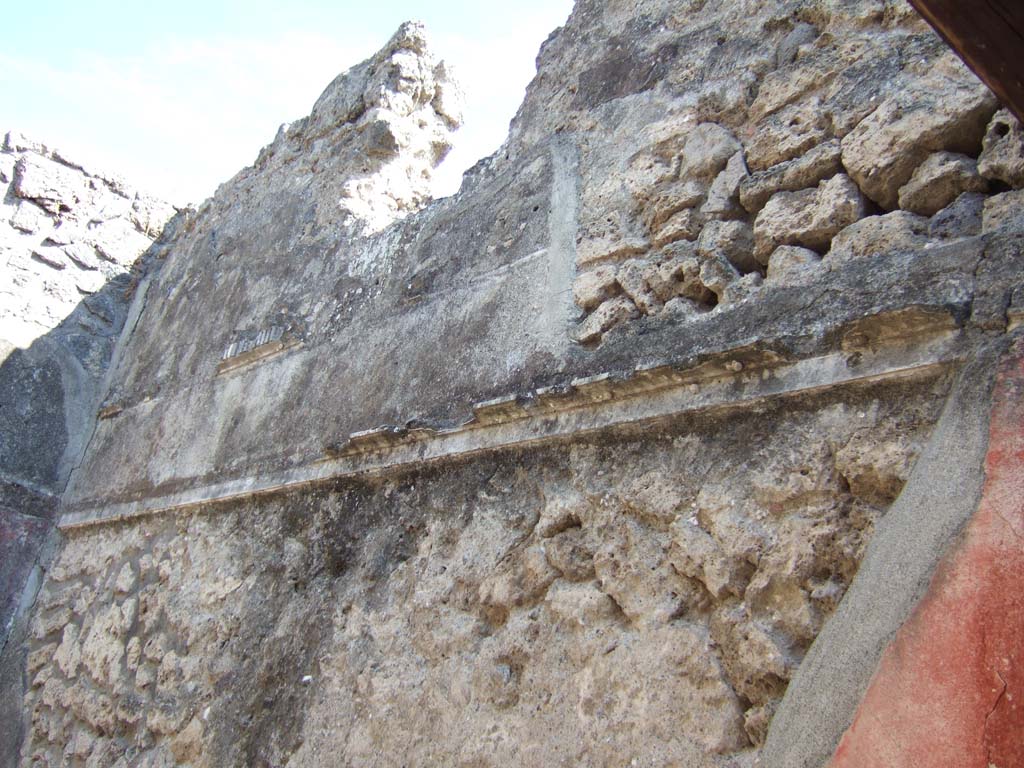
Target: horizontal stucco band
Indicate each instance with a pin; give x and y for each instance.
(741, 379)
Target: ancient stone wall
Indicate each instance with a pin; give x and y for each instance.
(488, 294)
(70, 237)
(792, 141)
(628, 596)
(638, 451)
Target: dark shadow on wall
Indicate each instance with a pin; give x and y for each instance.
(50, 393)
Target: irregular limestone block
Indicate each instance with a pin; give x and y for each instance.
(754, 659)
(706, 151)
(684, 308)
(1002, 153)
(695, 553)
(604, 318)
(679, 275)
(107, 205)
(187, 746)
(938, 113)
(635, 276)
(51, 256)
(609, 248)
(801, 34)
(68, 655)
(30, 218)
(741, 290)
(716, 273)
(14, 141)
(606, 236)
(118, 241)
(724, 99)
(938, 181)
(695, 690)
(66, 232)
(7, 163)
(791, 265)
(877, 235)
(684, 225)
(571, 552)
(791, 132)
(150, 215)
(670, 198)
(632, 567)
(579, 604)
(89, 281)
(126, 580)
(1004, 211)
(523, 579)
(788, 84)
(723, 197)
(810, 218)
(961, 218)
(805, 171)
(595, 286)
(733, 239)
(53, 186)
(84, 256)
(875, 469)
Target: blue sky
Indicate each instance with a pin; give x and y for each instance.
(178, 97)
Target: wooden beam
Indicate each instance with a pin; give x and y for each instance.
(989, 36)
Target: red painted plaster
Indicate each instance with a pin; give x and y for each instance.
(949, 690)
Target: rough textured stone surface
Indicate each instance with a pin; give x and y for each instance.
(747, 104)
(740, 289)
(636, 277)
(791, 132)
(1002, 153)
(733, 239)
(805, 171)
(684, 225)
(707, 150)
(668, 199)
(961, 218)
(938, 181)
(591, 288)
(791, 264)
(723, 196)
(65, 286)
(393, 114)
(810, 218)
(606, 317)
(66, 232)
(628, 596)
(879, 235)
(531, 475)
(946, 110)
(1004, 211)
